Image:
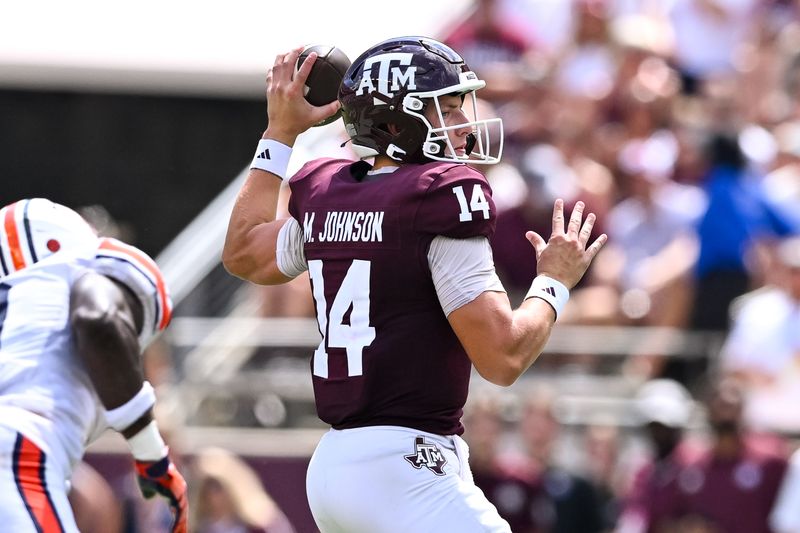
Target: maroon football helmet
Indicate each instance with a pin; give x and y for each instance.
(393, 83)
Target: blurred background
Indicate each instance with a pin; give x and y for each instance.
(676, 121)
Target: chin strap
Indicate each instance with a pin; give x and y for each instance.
(395, 152)
(472, 139)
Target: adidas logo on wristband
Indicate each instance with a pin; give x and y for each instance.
(551, 291)
(273, 157)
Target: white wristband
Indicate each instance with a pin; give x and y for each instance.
(147, 445)
(551, 291)
(272, 156)
(126, 414)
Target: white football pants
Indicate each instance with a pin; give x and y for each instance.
(388, 479)
(33, 492)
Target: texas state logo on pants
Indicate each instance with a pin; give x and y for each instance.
(390, 479)
(33, 496)
(427, 455)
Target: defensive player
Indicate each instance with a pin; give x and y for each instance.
(402, 275)
(75, 311)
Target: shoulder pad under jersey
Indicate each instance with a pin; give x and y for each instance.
(457, 203)
(312, 177)
(137, 271)
(329, 165)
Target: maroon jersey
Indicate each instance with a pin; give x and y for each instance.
(388, 355)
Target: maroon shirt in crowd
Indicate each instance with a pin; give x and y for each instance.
(515, 489)
(652, 499)
(734, 495)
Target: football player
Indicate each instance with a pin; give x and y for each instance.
(75, 312)
(402, 276)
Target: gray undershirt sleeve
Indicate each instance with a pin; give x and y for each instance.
(289, 255)
(462, 269)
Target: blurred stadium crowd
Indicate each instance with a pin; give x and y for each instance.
(678, 123)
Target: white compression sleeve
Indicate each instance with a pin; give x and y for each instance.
(290, 256)
(462, 269)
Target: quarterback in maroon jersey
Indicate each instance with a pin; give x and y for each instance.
(402, 276)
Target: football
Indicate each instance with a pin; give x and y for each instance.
(322, 85)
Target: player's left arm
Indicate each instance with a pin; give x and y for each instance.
(106, 318)
(253, 231)
(503, 342)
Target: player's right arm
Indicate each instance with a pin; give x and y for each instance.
(253, 231)
(119, 302)
(106, 318)
(503, 342)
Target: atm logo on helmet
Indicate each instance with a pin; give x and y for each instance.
(391, 75)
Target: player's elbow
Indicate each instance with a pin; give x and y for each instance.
(234, 263)
(503, 380)
(503, 373)
(238, 262)
(94, 323)
(261, 271)
(504, 365)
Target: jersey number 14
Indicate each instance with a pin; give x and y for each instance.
(476, 203)
(352, 295)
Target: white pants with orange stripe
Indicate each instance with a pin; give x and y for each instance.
(389, 479)
(33, 493)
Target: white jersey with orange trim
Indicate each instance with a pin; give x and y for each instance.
(45, 393)
(135, 269)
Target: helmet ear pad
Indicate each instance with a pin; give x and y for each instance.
(403, 134)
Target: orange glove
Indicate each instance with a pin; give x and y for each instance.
(161, 477)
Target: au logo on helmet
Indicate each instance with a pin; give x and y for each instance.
(399, 77)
